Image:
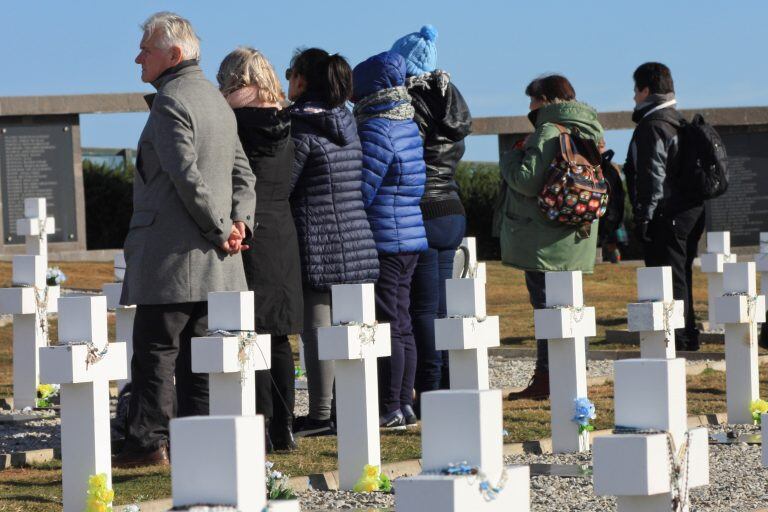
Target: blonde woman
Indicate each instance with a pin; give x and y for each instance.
(272, 267)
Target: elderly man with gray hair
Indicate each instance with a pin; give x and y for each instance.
(193, 203)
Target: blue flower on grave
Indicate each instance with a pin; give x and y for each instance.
(54, 276)
(584, 413)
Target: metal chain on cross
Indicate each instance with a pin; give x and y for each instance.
(679, 465)
(41, 307)
(576, 314)
(366, 334)
(751, 308)
(42, 230)
(668, 309)
(246, 340)
(475, 476)
(93, 354)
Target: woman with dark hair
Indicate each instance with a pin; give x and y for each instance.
(272, 269)
(335, 239)
(444, 122)
(530, 241)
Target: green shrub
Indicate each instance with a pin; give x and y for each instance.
(479, 190)
(108, 204)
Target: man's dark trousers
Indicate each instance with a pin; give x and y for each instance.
(162, 337)
(674, 242)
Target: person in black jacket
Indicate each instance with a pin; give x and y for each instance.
(444, 121)
(272, 266)
(668, 222)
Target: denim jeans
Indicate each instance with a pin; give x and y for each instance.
(435, 265)
(537, 292)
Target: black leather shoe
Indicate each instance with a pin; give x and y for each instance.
(282, 438)
(133, 458)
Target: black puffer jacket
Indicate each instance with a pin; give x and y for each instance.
(444, 121)
(335, 238)
(653, 164)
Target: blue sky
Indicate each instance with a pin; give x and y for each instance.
(492, 48)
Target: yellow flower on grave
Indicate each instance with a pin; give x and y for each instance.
(758, 408)
(99, 495)
(371, 471)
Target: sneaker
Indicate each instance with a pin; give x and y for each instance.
(410, 416)
(392, 421)
(538, 388)
(304, 426)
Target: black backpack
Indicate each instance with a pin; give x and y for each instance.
(704, 162)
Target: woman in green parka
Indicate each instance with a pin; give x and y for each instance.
(529, 240)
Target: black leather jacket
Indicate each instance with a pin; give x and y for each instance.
(444, 121)
(653, 165)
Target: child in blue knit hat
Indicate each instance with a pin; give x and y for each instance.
(419, 50)
(444, 121)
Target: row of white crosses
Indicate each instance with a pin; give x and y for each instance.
(124, 315)
(83, 363)
(29, 300)
(653, 459)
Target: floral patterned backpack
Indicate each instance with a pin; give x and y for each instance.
(576, 193)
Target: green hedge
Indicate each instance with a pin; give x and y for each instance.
(108, 204)
(479, 190)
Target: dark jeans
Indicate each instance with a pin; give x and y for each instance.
(435, 265)
(275, 400)
(537, 291)
(393, 299)
(162, 337)
(674, 243)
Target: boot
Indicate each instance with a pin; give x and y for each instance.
(281, 433)
(538, 387)
(762, 339)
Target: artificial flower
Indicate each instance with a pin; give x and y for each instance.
(758, 408)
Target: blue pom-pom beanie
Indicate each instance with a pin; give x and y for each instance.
(419, 50)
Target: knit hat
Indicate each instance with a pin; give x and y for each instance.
(419, 50)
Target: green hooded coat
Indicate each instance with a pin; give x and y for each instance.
(529, 240)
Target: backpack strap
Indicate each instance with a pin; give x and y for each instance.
(566, 148)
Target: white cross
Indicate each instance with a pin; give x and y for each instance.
(124, 315)
(565, 324)
(476, 269)
(467, 333)
(657, 315)
(232, 356)
(718, 253)
(355, 342)
(740, 309)
(83, 363)
(219, 461)
(649, 395)
(462, 426)
(36, 227)
(28, 300)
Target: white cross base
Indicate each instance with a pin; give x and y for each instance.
(85, 429)
(467, 333)
(764, 438)
(565, 324)
(658, 315)
(475, 417)
(219, 460)
(230, 363)
(355, 349)
(740, 309)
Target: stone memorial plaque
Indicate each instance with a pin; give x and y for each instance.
(743, 209)
(733, 438)
(561, 470)
(36, 160)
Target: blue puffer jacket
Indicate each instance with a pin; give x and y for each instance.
(394, 172)
(335, 239)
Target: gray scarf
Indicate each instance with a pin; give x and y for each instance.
(441, 79)
(400, 112)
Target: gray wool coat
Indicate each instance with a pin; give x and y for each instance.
(192, 181)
